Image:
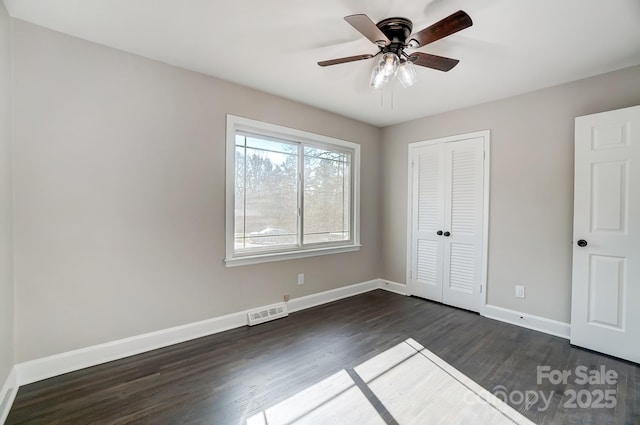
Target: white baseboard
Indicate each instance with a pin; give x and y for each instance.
(529, 321)
(395, 287)
(308, 301)
(47, 367)
(57, 364)
(8, 394)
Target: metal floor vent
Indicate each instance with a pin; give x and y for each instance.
(268, 313)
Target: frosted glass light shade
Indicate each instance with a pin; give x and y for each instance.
(377, 77)
(407, 73)
(389, 64)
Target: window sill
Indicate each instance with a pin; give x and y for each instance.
(282, 256)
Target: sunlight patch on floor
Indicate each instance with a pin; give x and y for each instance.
(335, 400)
(407, 384)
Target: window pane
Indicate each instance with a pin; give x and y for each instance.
(326, 195)
(239, 197)
(266, 203)
(271, 145)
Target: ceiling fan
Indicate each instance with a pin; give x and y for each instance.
(393, 36)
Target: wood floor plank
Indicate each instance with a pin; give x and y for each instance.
(230, 377)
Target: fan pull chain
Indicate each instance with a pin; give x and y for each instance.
(383, 93)
(392, 98)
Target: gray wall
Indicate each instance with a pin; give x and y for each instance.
(531, 205)
(119, 196)
(6, 229)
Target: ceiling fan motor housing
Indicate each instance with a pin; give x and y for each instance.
(397, 31)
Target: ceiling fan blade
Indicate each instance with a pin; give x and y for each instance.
(366, 27)
(344, 60)
(449, 25)
(432, 61)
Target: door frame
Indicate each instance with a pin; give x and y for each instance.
(486, 136)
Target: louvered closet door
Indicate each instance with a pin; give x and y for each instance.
(463, 204)
(445, 257)
(425, 277)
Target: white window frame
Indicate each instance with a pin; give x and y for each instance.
(235, 124)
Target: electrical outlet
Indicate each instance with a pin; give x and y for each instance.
(519, 291)
(301, 279)
(286, 297)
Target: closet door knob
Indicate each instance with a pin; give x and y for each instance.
(439, 233)
(582, 243)
(447, 234)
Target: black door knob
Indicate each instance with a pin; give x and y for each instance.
(582, 243)
(439, 233)
(447, 234)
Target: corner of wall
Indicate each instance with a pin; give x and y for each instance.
(8, 394)
(8, 378)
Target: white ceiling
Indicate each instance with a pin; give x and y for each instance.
(513, 47)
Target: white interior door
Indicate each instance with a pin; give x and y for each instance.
(606, 256)
(427, 212)
(446, 222)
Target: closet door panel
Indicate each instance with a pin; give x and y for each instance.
(428, 217)
(463, 204)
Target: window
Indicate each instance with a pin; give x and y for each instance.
(290, 193)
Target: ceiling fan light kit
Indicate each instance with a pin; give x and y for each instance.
(392, 66)
(393, 36)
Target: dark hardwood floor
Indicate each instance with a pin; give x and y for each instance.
(228, 377)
